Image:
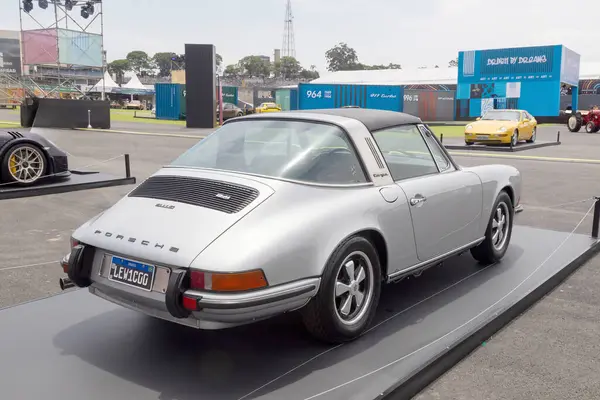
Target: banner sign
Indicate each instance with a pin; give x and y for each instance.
(518, 63)
(10, 56)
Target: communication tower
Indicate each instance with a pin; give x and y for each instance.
(289, 45)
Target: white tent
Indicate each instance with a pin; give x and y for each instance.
(108, 83)
(134, 83)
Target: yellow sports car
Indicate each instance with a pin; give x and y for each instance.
(268, 107)
(502, 127)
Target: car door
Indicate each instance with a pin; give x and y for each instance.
(445, 201)
(525, 128)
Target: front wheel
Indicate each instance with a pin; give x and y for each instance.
(514, 140)
(23, 164)
(498, 232)
(347, 299)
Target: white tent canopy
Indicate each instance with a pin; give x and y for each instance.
(107, 81)
(134, 83)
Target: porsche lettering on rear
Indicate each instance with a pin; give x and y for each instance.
(135, 240)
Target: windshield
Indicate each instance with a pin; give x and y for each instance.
(502, 116)
(302, 151)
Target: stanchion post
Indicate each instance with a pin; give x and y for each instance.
(127, 167)
(89, 119)
(441, 138)
(558, 137)
(596, 217)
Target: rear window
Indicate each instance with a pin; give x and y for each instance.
(296, 150)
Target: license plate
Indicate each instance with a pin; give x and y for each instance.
(482, 137)
(132, 273)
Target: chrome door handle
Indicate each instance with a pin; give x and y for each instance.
(417, 200)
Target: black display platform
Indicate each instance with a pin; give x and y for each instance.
(74, 345)
(78, 180)
(500, 148)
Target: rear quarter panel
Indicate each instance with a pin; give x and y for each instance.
(494, 179)
(293, 234)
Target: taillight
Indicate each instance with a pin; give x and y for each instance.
(232, 282)
(74, 242)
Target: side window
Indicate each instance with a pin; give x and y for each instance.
(405, 152)
(438, 154)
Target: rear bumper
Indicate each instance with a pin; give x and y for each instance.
(214, 310)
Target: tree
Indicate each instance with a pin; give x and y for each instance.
(232, 71)
(288, 68)
(389, 66)
(139, 61)
(118, 68)
(164, 63)
(341, 58)
(254, 66)
(453, 63)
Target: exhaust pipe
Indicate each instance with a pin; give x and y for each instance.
(65, 283)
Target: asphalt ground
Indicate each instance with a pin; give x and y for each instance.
(550, 352)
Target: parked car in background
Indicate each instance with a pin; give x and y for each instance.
(27, 158)
(502, 127)
(268, 107)
(309, 211)
(230, 111)
(133, 105)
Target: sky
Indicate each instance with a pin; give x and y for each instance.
(410, 33)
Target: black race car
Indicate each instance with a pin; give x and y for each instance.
(27, 158)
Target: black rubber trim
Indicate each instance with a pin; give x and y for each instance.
(178, 282)
(80, 265)
(254, 303)
(424, 376)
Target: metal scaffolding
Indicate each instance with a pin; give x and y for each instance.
(289, 45)
(56, 75)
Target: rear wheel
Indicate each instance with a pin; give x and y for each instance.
(533, 136)
(498, 232)
(23, 164)
(574, 123)
(347, 299)
(469, 143)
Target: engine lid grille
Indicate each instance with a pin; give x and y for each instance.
(220, 196)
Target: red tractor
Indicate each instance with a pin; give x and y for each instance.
(590, 119)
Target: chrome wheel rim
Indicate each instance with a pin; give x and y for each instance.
(515, 138)
(26, 164)
(353, 290)
(500, 225)
(533, 134)
(572, 122)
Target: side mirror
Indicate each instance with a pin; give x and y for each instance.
(477, 119)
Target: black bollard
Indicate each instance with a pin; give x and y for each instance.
(127, 167)
(441, 138)
(558, 137)
(596, 218)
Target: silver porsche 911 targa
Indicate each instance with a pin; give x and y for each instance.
(310, 211)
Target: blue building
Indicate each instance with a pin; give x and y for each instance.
(529, 78)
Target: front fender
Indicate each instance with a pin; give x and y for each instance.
(494, 179)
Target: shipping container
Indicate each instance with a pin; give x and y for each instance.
(313, 96)
(170, 101)
(230, 94)
(287, 99)
(430, 105)
(263, 95)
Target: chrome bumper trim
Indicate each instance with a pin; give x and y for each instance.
(225, 301)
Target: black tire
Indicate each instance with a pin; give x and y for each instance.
(591, 127)
(574, 123)
(533, 136)
(469, 143)
(321, 316)
(486, 252)
(514, 139)
(6, 175)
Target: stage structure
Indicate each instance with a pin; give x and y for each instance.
(62, 47)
